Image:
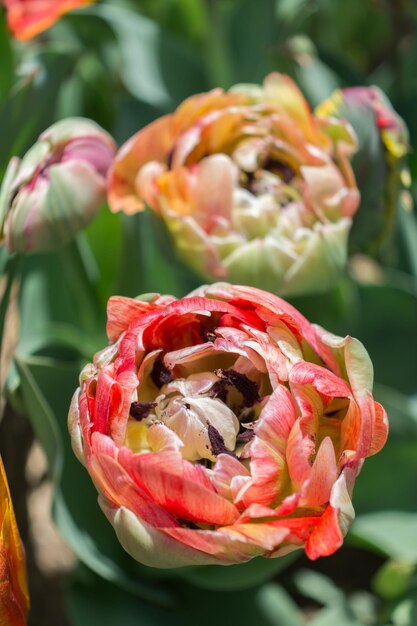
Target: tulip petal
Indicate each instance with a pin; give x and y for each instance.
(151, 546)
(28, 18)
(179, 487)
(14, 595)
(268, 448)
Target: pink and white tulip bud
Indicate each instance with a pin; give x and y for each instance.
(253, 187)
(57, 188)
(224, 426)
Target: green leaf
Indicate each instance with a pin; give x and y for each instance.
(42, 419)
(334, 615)
(405, 613)
(94, 601)
(6, 56)
(251, 53)
(148, 263)
(104, 239)
(393, 533)
(318, 587)
(233, 577)
(378, 488)
(408, 228)
(150, 58)
(9, 272)
(401, 409)
(278, 606)
(76, 511)
(393, 579)
(23, 114)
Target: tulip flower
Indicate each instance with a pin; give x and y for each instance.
(14, 596)
(252, 186)
(224, 426)
(28, 18)
(379, 164)
(57, 188)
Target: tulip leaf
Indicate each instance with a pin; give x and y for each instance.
(6, 56)
(394, 578)
(334, 615)
(42, 419)
(377, 489)
(233, 577)
(146, 263)
(389, 532)
(149, 56)
(23, 114)
(92, 601)
(47, 386)
(401, 409)
(318, 587)
(405, 613)
(408, 227)
(104, 240)
(59, 306)
(252, 60)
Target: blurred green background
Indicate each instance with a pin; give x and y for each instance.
(123, 63)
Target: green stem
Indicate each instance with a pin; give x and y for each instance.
(10, 274)
(82, 286)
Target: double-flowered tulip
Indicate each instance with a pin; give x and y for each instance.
(224, 426)
(253, 187)
(57, 188)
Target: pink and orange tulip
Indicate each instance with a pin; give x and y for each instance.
(253, 187)
(14, 596)
(28, 18)
(224, 426)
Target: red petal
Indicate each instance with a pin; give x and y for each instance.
(326, 537)
(320, 378)
(121, 312)
(268, 448)
(178, 486)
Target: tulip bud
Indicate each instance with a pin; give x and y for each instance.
(28, 18)
(14, 596)
(379, 164)
(252, 186)
(57, 188)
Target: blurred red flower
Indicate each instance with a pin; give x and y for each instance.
(28, 18)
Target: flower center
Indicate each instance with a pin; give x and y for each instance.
(211, 412)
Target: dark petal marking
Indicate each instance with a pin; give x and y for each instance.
(217, 442)
(141, 410)
(219, 391)
(248, 388)
(160, 374)
(245, 436)
(187, 524)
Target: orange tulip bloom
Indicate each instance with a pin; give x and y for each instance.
(14, 596)
(252, 186)
(28, 18)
